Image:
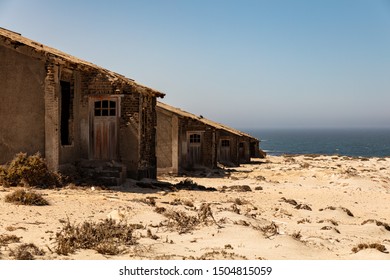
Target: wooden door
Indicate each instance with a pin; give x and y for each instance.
(105, 129)
(224, 151)
(194, 149)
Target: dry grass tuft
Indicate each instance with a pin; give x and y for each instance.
(303, 206)
(221, 255)
(362, 246)
(349, 213)
(378, 223)
(239, 201)
(26, 252)
(150, 235)
(160, 210)
(333, 222)
(181, 221)
(304, 221)
(297, 235)
(290, 201)
(102, 237)
(6, 239)
(12, 228)
(270, 230)
(149, 200)
(240, 188)
(23, 197)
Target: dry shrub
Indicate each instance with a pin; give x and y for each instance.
(28, 171)
(303, 221)
(378, 223)
(239, 201)
(205, 212)
(160, 210)
(12, 228)
(333, 222)
(304, 165)
(108, 248)
(303, 206)
(150, 235)
(290, 201)
(151, 201)
(26, 252)
(102, 236)
(221, 255)
(181, 221)
(270, 230)
(349, 213)
(235, 209)
(362, 246)
(240, 188)
(176, 201)
(188, 184)
(297, 235)
(6, 239)
(23, 197)
(188, 203)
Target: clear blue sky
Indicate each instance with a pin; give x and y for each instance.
(248, 64)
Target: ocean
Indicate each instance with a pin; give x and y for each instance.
(346, 142)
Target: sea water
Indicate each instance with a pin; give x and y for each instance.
(347, 142)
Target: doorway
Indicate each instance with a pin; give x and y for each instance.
(105, 128)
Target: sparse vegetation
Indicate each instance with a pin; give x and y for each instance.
(333, 222)
(269, 230)
(290, 201)
(297, 235)
(189, 184)
(184, 223)
(303, 206)
(303, 221)
(102, 237)
(26, 170)
(378, 223)
(181, 221)
(377, 246)
(6, 239)
(26, 197)
(349, 213)
(26, 252)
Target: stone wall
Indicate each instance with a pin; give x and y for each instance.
(22, 106)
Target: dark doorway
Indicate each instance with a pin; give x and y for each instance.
(66, 113)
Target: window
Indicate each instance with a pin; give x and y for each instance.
(66, 113)
(241, 145)
(225, 143)
(195, 138)
(105, 108)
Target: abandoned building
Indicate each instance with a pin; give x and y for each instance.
(186, 141)
(69, 110)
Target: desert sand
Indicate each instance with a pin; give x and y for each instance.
(277, 208)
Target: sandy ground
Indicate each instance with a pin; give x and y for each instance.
(296, 208)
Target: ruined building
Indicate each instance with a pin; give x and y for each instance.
(70, 110)
(186, 141)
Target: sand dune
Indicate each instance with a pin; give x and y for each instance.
(287, 207)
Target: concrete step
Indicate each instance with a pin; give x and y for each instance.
(107, 173)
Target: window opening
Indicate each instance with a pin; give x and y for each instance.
(105, 108)
(66, 113)
(195, 138)
(225, 143)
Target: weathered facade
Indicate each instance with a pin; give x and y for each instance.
(186, 141)
(68, 109)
